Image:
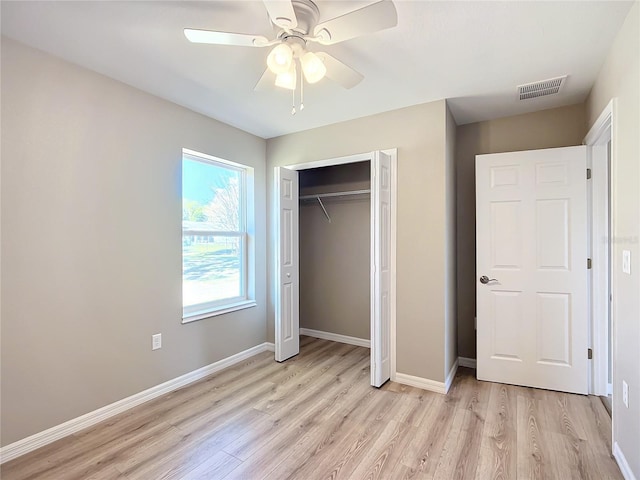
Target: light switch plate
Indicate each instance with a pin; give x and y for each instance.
(626, 262)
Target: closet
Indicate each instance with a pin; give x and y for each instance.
(334, 248)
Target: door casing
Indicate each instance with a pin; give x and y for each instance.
(602, 226)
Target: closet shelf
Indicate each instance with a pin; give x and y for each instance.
(334, 194)
(320, 196)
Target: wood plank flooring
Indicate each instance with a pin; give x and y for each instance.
(316, 417)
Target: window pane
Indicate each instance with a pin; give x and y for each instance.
(210, 268)
(212, 262)
(211, 196)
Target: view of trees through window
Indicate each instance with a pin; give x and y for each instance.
(213, 233)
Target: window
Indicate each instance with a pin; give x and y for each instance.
(214, 236)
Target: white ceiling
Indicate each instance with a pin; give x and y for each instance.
(472, 53)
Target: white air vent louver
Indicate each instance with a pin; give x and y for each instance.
(542, 88)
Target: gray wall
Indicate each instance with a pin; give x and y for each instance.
(419, 134)
(91, 241)
(334, 257)
(450, 275)
(558, 127)
(620, 78)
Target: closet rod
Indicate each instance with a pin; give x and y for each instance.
(334, 194)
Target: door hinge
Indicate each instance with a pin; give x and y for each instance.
(588, 264)
(588, 174)
(589, 353)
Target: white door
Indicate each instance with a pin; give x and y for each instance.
(287, 284)
(380, 267)
(531, 221)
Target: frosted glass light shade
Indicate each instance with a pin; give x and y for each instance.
(280, 59)
(313, 68)
(287, 79)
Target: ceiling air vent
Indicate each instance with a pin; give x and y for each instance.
(541, 89)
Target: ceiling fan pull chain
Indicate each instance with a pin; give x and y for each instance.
(301, 90)
(293, 102)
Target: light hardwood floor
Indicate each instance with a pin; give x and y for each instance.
(316, 417)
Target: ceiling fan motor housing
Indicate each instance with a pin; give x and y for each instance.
(307, 14)
(297, 44)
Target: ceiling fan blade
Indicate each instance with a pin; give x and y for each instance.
(225, 38)
(339, 72)
(266, 82)
(281, 13)
(369, 19)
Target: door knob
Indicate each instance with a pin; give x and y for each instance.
(288, 275)
(484, 279)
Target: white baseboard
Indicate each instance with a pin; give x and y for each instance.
(467, 362)
(425, 383)
(74, 425)
(336, 337)
(419, 382)
(450, 376)
(622, 463)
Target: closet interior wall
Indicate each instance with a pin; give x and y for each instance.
(335, 256)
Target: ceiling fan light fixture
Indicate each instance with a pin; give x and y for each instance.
(287, 79)
(313, 67)
(280, 59)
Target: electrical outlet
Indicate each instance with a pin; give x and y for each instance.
(625, 394)
(156, 341)
(626, 261)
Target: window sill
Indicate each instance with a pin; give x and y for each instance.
(192, 317)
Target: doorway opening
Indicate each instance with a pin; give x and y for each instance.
(382, 238)
(335, 252)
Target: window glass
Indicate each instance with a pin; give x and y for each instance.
(213, 234)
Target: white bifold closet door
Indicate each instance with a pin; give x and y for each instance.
(381, 268)
(287, 311)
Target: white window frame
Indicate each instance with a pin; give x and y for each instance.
(246, 235)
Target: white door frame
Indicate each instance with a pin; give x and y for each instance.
(364, 157)
(603, 173)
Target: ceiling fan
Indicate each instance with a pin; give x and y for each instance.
(296, 26)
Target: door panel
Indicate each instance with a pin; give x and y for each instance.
(506, 324)
(553, 251)
(287, 326)
(506, 236)
(532, 320)
(553, 320)
(381, 268)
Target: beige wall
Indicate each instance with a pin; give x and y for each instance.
(558, 127)
(91, 243)
(419, 134)
(334, 257)
(450, 275)
(620, 78)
